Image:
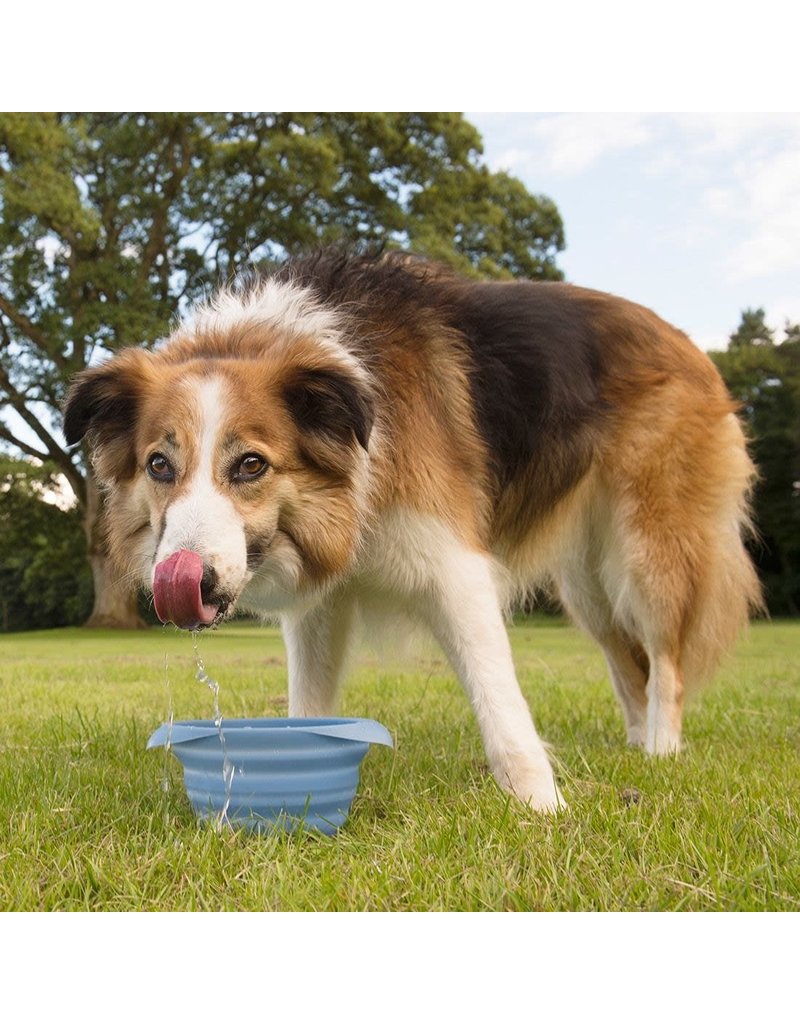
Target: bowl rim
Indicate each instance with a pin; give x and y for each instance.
(360, 730)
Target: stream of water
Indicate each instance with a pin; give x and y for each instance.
(227, 766)
(170, 720)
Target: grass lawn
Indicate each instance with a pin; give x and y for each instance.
(91, 821)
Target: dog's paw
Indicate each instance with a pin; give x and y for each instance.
(551, 803)
(540, 794)
(663, 742)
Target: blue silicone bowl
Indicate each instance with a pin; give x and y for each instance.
(272, 773)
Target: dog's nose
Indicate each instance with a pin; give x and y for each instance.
(208, 585)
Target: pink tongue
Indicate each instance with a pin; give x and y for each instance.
(176, 589)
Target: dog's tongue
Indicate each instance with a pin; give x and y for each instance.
(176, 589)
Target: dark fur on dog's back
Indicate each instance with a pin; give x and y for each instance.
(532, 344)
(538, 354)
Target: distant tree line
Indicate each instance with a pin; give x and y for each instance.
(45, 580)
(763, 374)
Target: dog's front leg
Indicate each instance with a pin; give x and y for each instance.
(316, 646)
(463, 610)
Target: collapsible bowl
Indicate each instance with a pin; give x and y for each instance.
(268, 773)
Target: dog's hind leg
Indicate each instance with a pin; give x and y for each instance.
(655, 598)
(585, 599)
(656, 604)
(647, 680)
(628, 667)
(664, 705)
(316, 645)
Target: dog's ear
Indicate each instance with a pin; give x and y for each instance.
(101, 405)
(334, 404)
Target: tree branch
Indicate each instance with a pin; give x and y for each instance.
(17, 402)
(6, 435)
(178, 170)
(76, 481)
(54, 450)
(31, 331)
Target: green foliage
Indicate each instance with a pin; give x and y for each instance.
(765, 378)
(44, 576)
(752, 331)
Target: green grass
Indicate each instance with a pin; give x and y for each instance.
(86, 824)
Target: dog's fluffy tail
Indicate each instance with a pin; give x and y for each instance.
(729, 591)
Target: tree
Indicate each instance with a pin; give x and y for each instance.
(110, 223)
(752, 330)
(765, 378)
(44, 576)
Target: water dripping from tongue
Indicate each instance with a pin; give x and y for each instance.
(227, 766)
(165, 775)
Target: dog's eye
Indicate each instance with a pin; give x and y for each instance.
(250, 467)
(159, 468)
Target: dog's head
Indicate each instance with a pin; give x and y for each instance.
(231, 467)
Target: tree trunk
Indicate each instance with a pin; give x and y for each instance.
(115, 604)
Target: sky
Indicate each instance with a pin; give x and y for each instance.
(695, 215)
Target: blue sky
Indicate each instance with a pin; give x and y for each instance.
(695, 215)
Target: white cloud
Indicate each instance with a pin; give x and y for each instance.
(758, 197)
(512, 159)
(574, 142)
(782, 309)
(728, 132)
(564, 144)
(766, 200)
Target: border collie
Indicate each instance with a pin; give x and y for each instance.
(358, 431)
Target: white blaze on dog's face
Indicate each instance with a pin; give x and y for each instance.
(230, 479)
(203, 516)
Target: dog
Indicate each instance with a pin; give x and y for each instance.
(358, 430)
